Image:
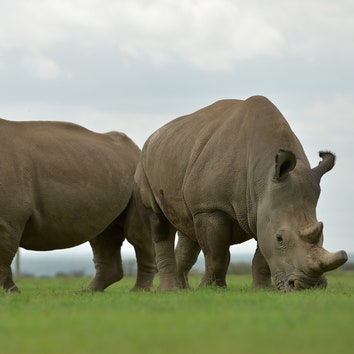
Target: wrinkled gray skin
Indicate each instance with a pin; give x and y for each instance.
(62, 185)
(227, 173)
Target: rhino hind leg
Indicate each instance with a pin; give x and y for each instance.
(162, 232)
(137, 235)
(146, 268)
(187, 252)
(164, 237)
(6, 280)
(107, 258)
(146, 265)
(213, 232)
(260, 271)
(8, 249)
(9, 285)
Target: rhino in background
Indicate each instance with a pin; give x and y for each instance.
(225, 174)
(62, 185)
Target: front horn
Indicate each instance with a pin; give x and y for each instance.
(321, 260)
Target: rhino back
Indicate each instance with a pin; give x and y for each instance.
(61, 183)
(240, 152)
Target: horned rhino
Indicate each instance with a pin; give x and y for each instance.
(227, 173)
(62, 185)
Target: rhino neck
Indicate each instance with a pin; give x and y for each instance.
(246, 221)
(245, 201)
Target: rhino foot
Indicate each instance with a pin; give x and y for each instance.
(142, 288)
(101, 282)
(144, 280)
(168, 282)
(213, 281)
(13, 290)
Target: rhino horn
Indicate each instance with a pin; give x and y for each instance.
(321, 260)
(312, 233)
(327, 163)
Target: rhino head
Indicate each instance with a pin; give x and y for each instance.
(288, 233)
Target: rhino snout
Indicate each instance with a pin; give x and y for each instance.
(305, 282)
(300, 281)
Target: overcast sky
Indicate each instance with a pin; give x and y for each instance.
(135, 65)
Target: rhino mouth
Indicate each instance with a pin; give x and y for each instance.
(298, 281)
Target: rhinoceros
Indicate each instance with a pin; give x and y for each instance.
(225, 174)
(62, 185)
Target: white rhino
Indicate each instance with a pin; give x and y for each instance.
(62, 185)
(225, 174)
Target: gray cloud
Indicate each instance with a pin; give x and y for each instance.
(208, 34)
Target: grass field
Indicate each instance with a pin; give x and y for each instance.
(54, 316)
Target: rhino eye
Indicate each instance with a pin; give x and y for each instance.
(279, 238)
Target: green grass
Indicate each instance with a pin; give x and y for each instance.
(54, 316)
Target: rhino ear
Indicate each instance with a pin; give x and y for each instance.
(327, 163)
(285, 161)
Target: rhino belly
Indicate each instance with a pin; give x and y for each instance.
(57, 236)
(62, 225)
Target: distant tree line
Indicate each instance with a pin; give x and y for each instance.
(130, 269)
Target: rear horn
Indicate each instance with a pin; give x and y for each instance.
(312, 233)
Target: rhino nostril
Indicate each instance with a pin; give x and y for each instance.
(292, 284)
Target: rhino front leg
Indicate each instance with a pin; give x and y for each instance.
(187, 252)
(260, 271)
(213, 231)
(107, 258)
